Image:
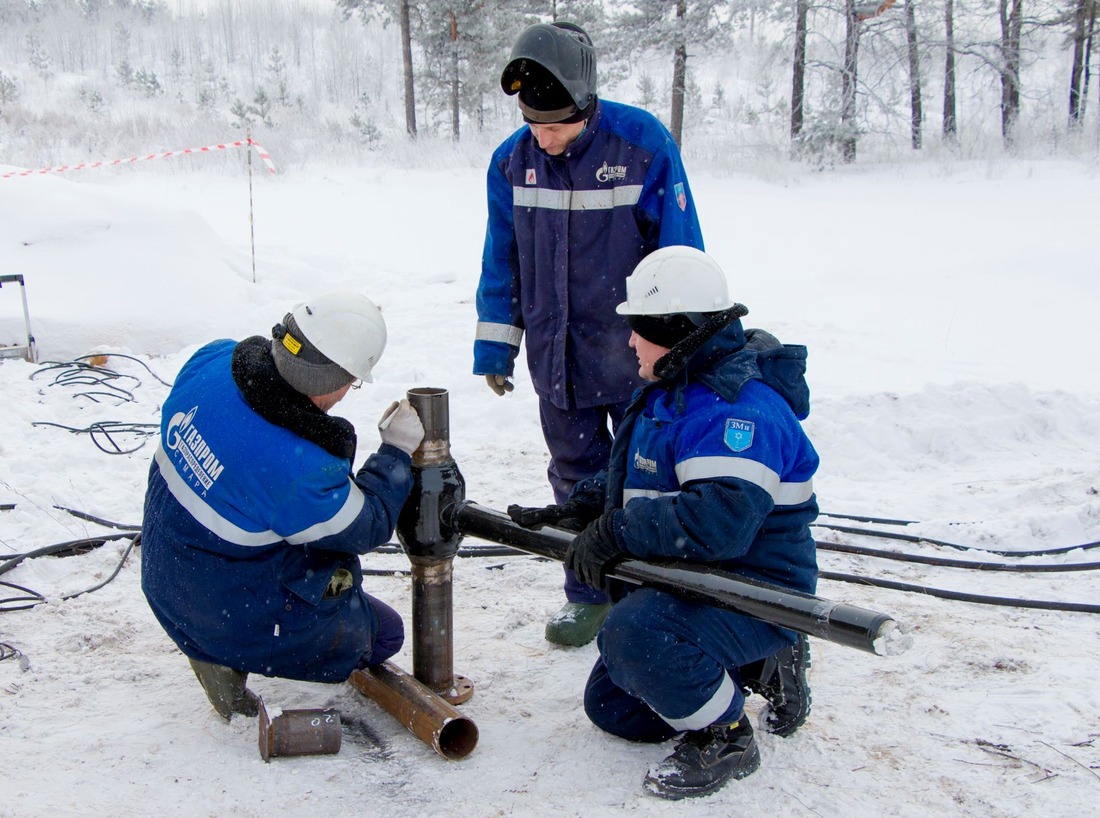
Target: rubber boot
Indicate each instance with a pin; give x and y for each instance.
(226, 689)
(781, 679)
(704, 761)
(576, 623)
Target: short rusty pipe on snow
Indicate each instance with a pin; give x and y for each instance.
(431, 719)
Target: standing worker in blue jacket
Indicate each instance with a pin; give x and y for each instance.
(254, 520)
(577, 197)
(710, 465)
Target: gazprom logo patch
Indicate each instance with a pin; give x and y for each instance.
(739, 434)
(644, 463)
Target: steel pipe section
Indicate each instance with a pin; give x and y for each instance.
(431, 546)
(837, 622)
(424, 714)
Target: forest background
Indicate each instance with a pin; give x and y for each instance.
(743, 85)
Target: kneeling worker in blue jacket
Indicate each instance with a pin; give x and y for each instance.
(254, 520)
(710, 465)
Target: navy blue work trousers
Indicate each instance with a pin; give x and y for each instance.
(579, 441)
(665, 656)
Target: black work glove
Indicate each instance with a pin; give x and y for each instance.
(596, 550)
(572, 515)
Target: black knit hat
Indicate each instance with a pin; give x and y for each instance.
(301, 364)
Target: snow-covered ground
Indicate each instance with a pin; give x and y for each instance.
(950, 312)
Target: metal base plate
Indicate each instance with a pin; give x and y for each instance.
(462, 691)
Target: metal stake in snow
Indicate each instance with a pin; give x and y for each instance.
(251, 221)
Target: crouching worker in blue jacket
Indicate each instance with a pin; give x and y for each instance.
(254, 520)
(710, 465)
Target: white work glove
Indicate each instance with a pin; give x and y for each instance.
(400, 426)
(499, 384)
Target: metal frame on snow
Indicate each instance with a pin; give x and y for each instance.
(27, 351)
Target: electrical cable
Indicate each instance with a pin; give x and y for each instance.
(382, 572)
(92, 518)
(77, 373)
(63, 549)
(103, 429)
(940, 593)
(102, 433)
(892, 535)
(11, 652)
(80, 546)
(861, 519)
(78, 370)
(847, 548)
(138, 361)
(128, 357)
(31, 596)
(35, 598)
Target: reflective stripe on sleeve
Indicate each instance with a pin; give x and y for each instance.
(218, 525)
(204, 514)
(650, 494)
(504, 333)
(353, 504)
(541, 197)
(751, 471)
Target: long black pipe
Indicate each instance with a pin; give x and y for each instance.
(837, 622)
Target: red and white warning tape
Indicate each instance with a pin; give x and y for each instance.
(241, 143)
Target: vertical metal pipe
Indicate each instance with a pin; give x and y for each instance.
(433, 622)
(431, 545)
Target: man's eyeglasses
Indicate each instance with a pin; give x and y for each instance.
(358, 382)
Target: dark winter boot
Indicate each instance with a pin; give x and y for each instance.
(704, 761)
(781, 679)
(226, 689)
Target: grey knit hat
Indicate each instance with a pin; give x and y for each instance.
(301, 364)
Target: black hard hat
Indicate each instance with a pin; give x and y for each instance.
(562, 79)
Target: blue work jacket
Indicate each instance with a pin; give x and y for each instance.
(564, 232)
(251, 508)
(712, 465)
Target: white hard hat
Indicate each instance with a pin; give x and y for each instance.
(676, 279)
(347, 328)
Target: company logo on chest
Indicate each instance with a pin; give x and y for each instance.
(644, 463)
(610, 173)
(183, 438)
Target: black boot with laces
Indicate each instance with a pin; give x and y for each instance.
(704, 761)
(781, 679)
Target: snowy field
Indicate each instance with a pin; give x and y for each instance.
(951, 317)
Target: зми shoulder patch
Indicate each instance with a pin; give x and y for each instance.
(738, 434)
